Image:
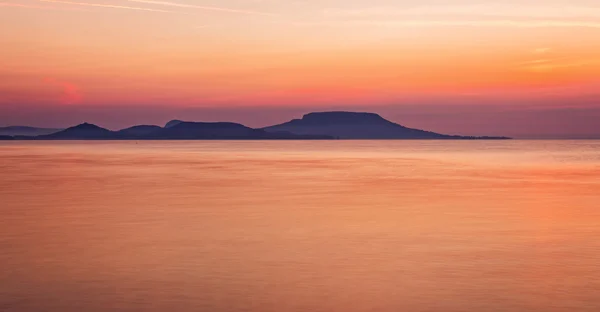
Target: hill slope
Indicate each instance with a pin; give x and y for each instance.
(136, 132)
(24, 130)
(84, 131)
(223, 131)
(353, 125)
(180, 131)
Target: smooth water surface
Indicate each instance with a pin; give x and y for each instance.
(300, 226)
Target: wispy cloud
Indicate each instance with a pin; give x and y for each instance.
(199, 7)
(501, 23)
(541, 50)
(485, 9)
(107, 6)
(38, 7)
(479, 15)
(538, 61)
(457, 23)
(547, 65)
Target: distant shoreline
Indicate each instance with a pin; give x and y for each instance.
(337, 125)
(295, 139)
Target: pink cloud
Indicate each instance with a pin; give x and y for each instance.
(70, 93)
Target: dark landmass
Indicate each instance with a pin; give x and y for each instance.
(84, 131)
(223, 131)
(24, 130)
(351, 125)
(179, 131)
(173, 123)
(6, 137)
(206, 130)
(313, 126)
(138, 131)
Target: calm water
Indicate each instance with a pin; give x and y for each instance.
(300, 226)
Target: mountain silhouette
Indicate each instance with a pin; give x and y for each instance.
(312, 126)
(138, 131)
(24, 130)
(84, 131)
(356, 125)
(223, 131)
(173, 123)
(206, 130)
(180, 131)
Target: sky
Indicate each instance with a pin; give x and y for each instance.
(528, 68)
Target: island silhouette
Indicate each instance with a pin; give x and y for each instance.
(312, 126)
(25, 130)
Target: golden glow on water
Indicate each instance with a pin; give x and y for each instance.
(300, 226)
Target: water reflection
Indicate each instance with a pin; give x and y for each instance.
(300, 226)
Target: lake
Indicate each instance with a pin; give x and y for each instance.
(300, 226)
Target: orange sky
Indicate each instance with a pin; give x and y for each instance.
(312, 54)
